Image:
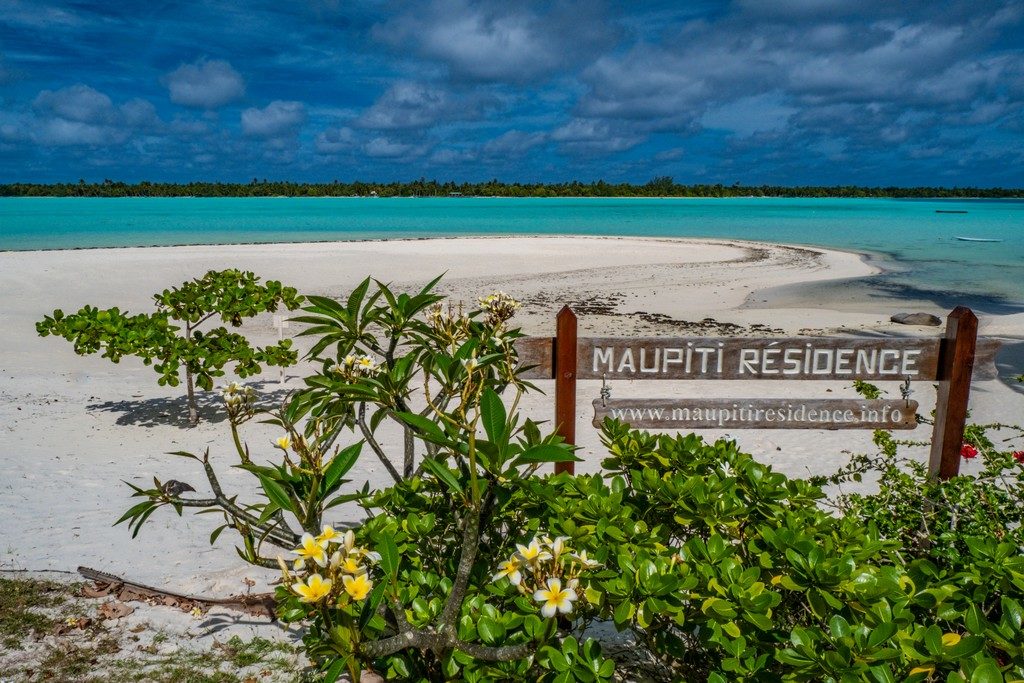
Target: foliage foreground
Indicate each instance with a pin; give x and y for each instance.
(473, 567)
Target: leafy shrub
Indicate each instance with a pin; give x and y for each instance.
(471, 567)
(230, 295)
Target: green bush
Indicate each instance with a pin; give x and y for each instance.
(472, 567)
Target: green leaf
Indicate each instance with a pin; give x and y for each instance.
(135, 511)
(335, 670)
(443, 473)
(490, 631)
(217, 532)
(276, 493)
(340, 466)
(546, 452)
(388, 556)
(428, 427)
(987, 672)
(556, 658)
(492, 412)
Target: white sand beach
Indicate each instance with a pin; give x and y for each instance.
(76, 426)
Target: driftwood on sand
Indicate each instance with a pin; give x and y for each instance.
(258, 604)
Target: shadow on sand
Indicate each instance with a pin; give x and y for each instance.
(173, 411)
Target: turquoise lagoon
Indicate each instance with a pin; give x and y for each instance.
(914, 239)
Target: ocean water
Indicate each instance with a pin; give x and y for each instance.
(910, 237)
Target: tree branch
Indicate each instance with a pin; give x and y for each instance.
(282, 537)
(470, 545)
(368, 435)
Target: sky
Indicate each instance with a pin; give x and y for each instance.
(786, 92)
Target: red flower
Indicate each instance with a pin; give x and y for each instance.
(968, 451)
(1018, 456)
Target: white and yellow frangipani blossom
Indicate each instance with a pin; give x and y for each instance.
(328, 535)
(558, 546)
(555, 598)
(310, 549)
(510, 569)
(358, 586)
(283, 442)
(350, 565)
(315, 589)
(366, 364)
(585, 561)
(533, 552)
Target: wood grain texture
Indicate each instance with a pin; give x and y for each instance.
(536, 354)
(956, 366)
(565, 353)
(758, 413)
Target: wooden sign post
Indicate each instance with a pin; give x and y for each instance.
(956, 365)
(565, 365)
(949, 361)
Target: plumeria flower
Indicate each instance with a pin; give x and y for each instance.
(558, 545)
(349, 541)
(533, 552)
(968, 451)
(358, 586)
(509, 569)
(310, 550)
(367, 364)
(315, 589)
(582, 558)
(350, 565)
(1018, 456)
(349, 361)
(328, 535)
(283, 442)
(470, 364)
(555, 598)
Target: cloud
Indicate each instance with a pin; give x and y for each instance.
(78, 103)
(205, 84)
(514, 142)
(409, 105)
(593, 136)
(451, 157)
(749, 115)
(501, 42)
(79, 115)
(277, 119)
(335, 140)
(385, 148)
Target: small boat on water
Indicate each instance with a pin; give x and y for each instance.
(949, 211)
(977, 239)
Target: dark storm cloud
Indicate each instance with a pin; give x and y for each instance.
(791, 91)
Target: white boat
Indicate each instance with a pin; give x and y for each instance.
(976, 239)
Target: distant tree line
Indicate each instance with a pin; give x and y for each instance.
(663, 186)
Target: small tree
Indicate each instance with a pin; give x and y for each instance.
(231, 295)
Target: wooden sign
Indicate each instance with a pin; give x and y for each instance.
(787, 358)
(758, 413)
(951, 360)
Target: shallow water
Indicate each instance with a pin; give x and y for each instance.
(917, 244)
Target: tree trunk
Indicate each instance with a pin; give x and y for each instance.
(410, 453)
(193, 411)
